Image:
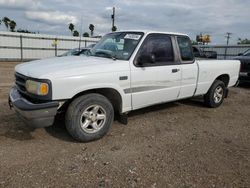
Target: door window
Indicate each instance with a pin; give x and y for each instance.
(156, 50)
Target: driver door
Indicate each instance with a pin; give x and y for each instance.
(155, 75)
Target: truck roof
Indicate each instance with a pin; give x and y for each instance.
(149, 31)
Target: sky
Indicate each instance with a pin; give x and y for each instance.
(184, 16)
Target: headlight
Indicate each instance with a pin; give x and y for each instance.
(37, 88)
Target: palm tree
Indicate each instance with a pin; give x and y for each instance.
(75, 33)
(12, 25)
(71, 27)
(6, 22)
(91, 28)
(239, 40)
(114, 28)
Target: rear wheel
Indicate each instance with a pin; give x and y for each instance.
(215, 94)
(89, 117)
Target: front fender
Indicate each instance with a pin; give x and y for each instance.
(67, 88)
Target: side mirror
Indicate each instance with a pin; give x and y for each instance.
(240, 54)
(144, 59)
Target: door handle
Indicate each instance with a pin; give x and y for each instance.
(175, 70)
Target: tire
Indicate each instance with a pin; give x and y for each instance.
(89, 117)
(215, 95)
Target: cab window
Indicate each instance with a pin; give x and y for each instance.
(185, 48)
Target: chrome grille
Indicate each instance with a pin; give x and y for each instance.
(20, 82)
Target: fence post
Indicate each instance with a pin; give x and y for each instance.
(55, 46)
(21, 47)
(85, 43)
(225, 55)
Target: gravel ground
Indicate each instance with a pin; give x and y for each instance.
(181, 144)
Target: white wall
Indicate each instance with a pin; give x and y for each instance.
(37, 46)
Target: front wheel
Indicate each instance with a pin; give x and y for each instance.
(215, 94)
(89, 117)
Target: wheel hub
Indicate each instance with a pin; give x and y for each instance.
(93, 119)
(218, 94)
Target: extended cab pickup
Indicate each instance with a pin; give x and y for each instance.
(125, 71)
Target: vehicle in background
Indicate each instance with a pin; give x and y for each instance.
(245, 66)
(91, 46)
(74, 52)
(199, 53)
(77, 51)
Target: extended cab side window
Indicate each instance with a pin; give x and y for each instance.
(185, 49)
(156, 50)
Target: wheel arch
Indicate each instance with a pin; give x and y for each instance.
(111, 94)
(224, 78)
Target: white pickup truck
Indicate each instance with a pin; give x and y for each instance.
(125, 71)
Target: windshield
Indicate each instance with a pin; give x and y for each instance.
(247, 53)
(119, 45)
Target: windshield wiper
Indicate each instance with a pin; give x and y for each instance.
(104, 53)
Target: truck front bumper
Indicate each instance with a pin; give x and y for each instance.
(35, 115)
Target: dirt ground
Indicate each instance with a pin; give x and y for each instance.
(181, 144)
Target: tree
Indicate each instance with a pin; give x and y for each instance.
(6, 22)
(114, 28)
(244, 41)
(75, 33)
(71, 27)
(12, 25)
(91, 28)
(86, 34)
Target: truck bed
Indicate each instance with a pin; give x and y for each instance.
(210, 69)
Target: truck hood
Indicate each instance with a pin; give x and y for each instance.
(65, 66)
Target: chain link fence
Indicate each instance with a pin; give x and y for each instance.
(25, 47)
(225, 52)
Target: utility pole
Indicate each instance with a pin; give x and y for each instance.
(228, 36)
(113, 19)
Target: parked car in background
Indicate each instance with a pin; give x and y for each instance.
(91, 46)
(78, 51)
(199, 53)
(245, 66)
(75, 52)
